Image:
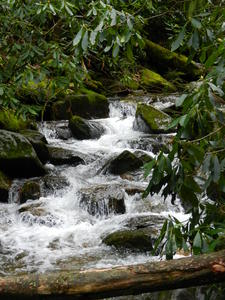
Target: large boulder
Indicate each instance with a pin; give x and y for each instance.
(5, 185)
(153, 81)
(83, 129)
(38, 142)
(148, 119)
(125, 162)
(85, 103)
(102, 200)
(60, 156)
(17, 156)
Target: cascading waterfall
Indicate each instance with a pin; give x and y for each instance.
(55, 231)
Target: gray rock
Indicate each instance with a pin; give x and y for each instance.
(125, 162)
(38, 142)
(134, 240)
(30, 191)
(83, 129)
(103, 200)
(60, 156)
(52, 183)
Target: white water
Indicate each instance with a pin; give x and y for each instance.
(62, 235)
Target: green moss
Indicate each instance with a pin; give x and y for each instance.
(153, 81)
(156, 120)
(93, 97)
(10, 121)
(164, 59)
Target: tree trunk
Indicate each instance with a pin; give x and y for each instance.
(126, 280)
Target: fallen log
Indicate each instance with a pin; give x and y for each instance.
(117, 281)
(165, 59)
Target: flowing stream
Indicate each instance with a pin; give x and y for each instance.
(60, 233)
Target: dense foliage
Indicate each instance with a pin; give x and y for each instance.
(193, 167)
(51, 46)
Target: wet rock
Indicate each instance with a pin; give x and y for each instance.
(151, 120)
(151, 222)
(63, 133)
(30, 191)
(52, 183)
(83, 129)
(134, 240)
(17, 156)
(143, 156)
(139, 233)
(152, 81)
(5, 185)
(134, 190)
(60, 156)
(38, 141)
(151, 143)
(85, 103)
(103, 200)
(125, 162)
(35, 213)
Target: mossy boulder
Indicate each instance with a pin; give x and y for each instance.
(17, 156)
(134, 240)
(10, 121)
(165, 59)
(30, 191)
(152, 81)
(102, 200)
(83, 129)
(38, 142)
(5, 185)
(59, 156)
(125, 162)
(151, 120)
(85, 103)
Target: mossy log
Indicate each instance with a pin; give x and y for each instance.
(125, 280)
(165, 59)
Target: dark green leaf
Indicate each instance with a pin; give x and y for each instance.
(196, 23)
(84, 43)
(176, 44)
(78, 37)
